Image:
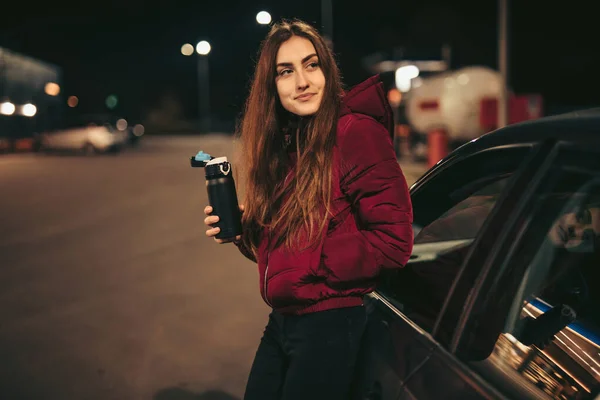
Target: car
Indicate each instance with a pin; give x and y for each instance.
(88, 134)
(501, 296)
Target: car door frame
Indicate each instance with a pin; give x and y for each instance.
(519, 230)
(491, 273)
(511, 196)
(496, 221)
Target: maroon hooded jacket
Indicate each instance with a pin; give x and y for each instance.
(370, 226)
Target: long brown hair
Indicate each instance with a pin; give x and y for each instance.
(293, 207)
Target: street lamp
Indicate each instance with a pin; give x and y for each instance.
(263, 18)
(187, 49)
(28, 110)
(202, 49)
(327, 21)
(503, 62)
(7, 108)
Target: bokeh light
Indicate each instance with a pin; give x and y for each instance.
(7, 108)
(72, 101)
(203, 47)
(121, 124)
(111, 101)
(29, 110)
(187, 49)
(263, 18)
(52, 89)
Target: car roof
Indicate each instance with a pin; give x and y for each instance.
(576, 127)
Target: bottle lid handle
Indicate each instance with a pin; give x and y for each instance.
(225, 172)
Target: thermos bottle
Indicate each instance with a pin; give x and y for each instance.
(222, 195)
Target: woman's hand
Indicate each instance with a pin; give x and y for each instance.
(210, 220)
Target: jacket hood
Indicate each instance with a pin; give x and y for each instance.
(368, 98)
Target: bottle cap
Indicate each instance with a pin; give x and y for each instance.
(217, 160)
(200, 159)
(202, 156)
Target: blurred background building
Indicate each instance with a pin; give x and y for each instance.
(444, 62)
(30, 96)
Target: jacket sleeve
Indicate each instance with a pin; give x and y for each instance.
(245, 251)
(373, 182)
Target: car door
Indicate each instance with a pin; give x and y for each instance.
(411, 317)
(538, 301)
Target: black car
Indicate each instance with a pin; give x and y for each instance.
(501, 296)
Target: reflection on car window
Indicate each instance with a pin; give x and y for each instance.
(551, 337)
(449, 213)
(464, 220)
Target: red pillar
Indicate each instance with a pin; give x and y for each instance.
(437, 146)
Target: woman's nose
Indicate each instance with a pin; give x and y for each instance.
(301, 81)
(576, 232)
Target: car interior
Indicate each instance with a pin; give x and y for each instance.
(551, 334)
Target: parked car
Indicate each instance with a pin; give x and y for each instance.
(501, 296)
(89, 134)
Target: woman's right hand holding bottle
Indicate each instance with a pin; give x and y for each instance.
(212, 231)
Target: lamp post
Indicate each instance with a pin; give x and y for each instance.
(203, 48)
(503, 62)
(327, 21)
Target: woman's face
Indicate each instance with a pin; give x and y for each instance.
(300, 80)
(570, 230)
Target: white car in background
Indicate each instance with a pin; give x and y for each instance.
(89, 139)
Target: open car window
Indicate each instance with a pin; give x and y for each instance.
(539, 323)
(450, 210)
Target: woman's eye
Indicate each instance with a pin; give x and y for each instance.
(313, 65)
(584, 216)
(284, 72)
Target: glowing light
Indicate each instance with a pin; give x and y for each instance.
(404, 76)
(29, 110)
(111, 101)
(394, 97)
(52, 89)
(187, 49)
(263, 18)
(121, 124)
(138, 130)
(203, 48)
(7, 108)
(72, 101)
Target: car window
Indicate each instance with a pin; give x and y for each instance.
(542, 318)
(449, 210)
(463, 220)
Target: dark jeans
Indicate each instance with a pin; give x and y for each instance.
(307, 357)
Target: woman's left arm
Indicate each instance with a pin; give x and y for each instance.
(377, 189)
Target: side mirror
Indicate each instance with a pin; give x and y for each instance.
(541, 330)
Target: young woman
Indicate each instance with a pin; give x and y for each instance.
(326, 208)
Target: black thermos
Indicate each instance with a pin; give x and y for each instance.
(222, 195)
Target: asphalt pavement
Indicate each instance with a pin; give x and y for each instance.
(109, 288)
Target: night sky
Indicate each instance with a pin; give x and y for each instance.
(131, 48)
